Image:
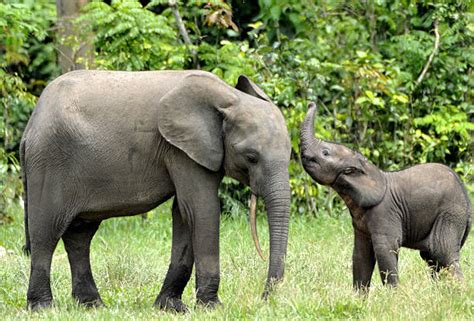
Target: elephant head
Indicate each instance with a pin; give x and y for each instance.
(348, 172)
(240, 131)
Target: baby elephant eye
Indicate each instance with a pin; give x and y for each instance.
(349, 170)
(252, 158)
(325, 152)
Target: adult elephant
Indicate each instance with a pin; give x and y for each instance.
(102, 144)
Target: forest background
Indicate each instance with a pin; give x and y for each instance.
(393, 79)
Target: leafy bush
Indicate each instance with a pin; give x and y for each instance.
(129, 37)
(26, 61)
(361, 61)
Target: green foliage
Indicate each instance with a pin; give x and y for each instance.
(360, 60)
(27, 59)
(129, 37)
(229, 60)
(16, 23)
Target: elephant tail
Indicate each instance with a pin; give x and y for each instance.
(27, 247)
(468, 208)
(468, 228)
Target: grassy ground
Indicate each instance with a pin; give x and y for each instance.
(130, 258)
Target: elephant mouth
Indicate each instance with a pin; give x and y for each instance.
(348, 170)
(311, 164)
(317, 172)
(338, 176)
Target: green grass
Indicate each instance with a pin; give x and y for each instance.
(130, 258)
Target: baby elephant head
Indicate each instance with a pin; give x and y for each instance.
(335, 165)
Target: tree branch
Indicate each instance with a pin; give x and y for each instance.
(182, 30)
(433, 53)
(63, 55)
(372, 24)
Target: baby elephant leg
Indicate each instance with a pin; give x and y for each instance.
(445, 244)
(363, 262)
(432, 263)
(386, 252)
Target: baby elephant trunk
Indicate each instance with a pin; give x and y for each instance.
(307, 138)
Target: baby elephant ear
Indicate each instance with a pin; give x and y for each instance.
(190, 118)
(366, 189)
(247, 86)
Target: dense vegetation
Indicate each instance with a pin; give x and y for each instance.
(393, 79)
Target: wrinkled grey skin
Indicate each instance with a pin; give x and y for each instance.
(104, 144)
(424, 207)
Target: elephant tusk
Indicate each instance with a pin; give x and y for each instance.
(253, 225)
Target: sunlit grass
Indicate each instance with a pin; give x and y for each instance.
(130, 258)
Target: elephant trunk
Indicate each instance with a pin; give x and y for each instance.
(307, 137)
(278, 208)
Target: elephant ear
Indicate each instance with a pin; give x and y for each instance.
(366, 187)
(190, 118)
(244, 84)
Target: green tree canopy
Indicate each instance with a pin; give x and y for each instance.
(393, 79)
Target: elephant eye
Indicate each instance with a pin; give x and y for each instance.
(349, 170)
(252, 158)
(325, 152)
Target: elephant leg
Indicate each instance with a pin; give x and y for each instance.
(363, 262)
(446, 238)
(77, 240)
(39, 290)
(432, 263)
(206, 254)
(181, 266)
(386, 253)
(197, 194)
(44, 238)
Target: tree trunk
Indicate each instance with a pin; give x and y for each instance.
(75, 49)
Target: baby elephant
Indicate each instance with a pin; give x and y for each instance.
(424, 207)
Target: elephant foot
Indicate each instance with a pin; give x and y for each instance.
(269, 288)
(91, 302)
(362, 293)
(39, 305)
(88, 298)
(265, 294)
(171, 304)
(362, 289)
(209, 303)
